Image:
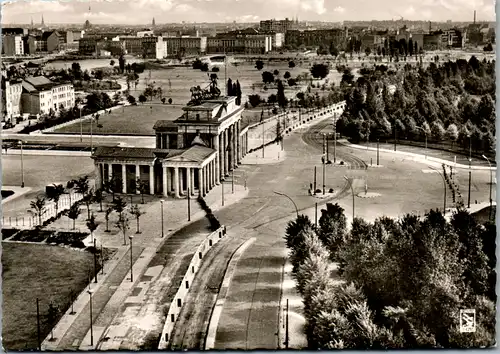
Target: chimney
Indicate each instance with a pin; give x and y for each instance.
(474, 16)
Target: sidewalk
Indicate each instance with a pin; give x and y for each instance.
(115, 287)
(415, 157)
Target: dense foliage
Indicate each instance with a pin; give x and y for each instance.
(449, 103)
(402, 282)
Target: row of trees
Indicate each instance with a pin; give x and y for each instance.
(440, 102)
(89, 196)
(401, 282)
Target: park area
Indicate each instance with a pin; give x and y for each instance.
(175, 83)
(51, 274)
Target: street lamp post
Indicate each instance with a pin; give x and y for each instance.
(189, 204)
(378, 141)
(162, 231)
(335, 141)
(81, 127)
(22, 165)
(470, 169)
(131, 259)
(491, 183)
(295, 205)
(352, 191)
(90, 291)
(324, 162)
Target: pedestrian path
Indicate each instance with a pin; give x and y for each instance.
(113, 290)
(403, 150)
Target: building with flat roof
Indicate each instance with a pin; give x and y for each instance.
(12, 45)
(11, 99)
(193, 153)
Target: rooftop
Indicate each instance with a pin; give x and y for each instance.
(195, 153)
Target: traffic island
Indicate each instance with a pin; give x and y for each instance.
(368, 195)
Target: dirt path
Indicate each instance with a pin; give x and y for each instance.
(192, 324)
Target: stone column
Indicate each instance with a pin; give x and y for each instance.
(151, 180)
(97, 168)
(181, 180)
(217, 158)
(212, 166)
(164, 180)
(205, 180)
(238, 143)
(137, 176)
(221, 157)
(176, 182)
(188, 180)
(210, 175)
(110, 172)
(200, 180)
(226, 157)
(168, 142)
(169, 180)
(192, 181)
(124, 179)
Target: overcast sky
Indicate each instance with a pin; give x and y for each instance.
(166, 11)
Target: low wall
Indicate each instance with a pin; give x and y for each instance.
(264, 132)
(178, 300)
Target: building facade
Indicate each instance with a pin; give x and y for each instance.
(43, 96)
(184, 45)
(278, 26)
(314, 38)
(12, 45)
(11, 99)
(192, 155)
(241, 43)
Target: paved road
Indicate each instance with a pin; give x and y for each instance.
(126, 140)
(249, 319)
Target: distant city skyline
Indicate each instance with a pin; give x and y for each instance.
(137, 12)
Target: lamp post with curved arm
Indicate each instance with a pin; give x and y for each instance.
(444, 185)
(284, 195)
(491, 182)
(352, 191)
(425, 132)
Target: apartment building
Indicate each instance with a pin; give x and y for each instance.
(314, 38)
(148, 47)
(55, 40)
(242, 43)
(453, 38)
(184, 45)
(432, 41)
(12, 45)
(278, 26)
(11, 99)
(43, 96)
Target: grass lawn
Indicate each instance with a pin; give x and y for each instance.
(176, 82)
(50, 275)
(130, 120)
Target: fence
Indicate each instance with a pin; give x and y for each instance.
(178, 300)
(49, 211)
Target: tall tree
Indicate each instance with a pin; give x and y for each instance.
(230, 87)
(38, 208)
(55, 194)
(73, 212)
(282, 100)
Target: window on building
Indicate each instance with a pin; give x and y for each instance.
(197, 116)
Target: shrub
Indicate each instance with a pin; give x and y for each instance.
(318, 190)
